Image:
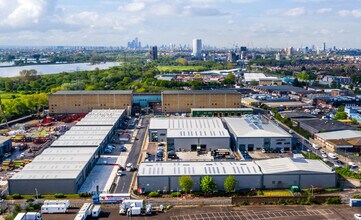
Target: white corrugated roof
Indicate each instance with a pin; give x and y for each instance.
(69, 151)
(101, 117)
(76, 143)
(244, 127)
(197, 133)
(343, 134)
(45, 174)
(289, 165)
(198, 168)
(248, 77)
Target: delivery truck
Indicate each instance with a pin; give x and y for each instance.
(110, 198)
(96, 211)
(52, 209)
(66, 203)
(28, 216)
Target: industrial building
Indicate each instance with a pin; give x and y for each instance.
(85, 101)
(5, 145)
(252, 132)
(280, 173)
(261, 79)
(220, 112)
(64, 166)
(344, 140)
(55, 170)
(316, 125)
(182, 101)
(189, 134)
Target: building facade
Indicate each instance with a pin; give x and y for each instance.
(85, 101)
(182, 101)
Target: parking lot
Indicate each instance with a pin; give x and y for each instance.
(231, 213)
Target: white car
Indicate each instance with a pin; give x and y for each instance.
(332, 156)
(324, 155)
(357, 216)
(263, 150)
(352, 164)
(322, 151)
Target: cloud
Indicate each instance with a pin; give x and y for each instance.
(324, 10)
(295, 12)
(355, 13)
(134, 6)
(197, 11)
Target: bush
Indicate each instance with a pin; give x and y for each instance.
(259, 193)
(16, 196)
(356, 196)
(176, 194)
(153, 194)
(84, 194)
(333, 200)
(59, 195)
(244, 203)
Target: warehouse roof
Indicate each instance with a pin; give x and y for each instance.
(248, 77)
(101, 117)
(185, 123)
(91, 128)
(343, 134)
(69, 151)
(73, 133)
(254, 126)
(292, 165)
(76, 143)
(4, 138)
(63, 158)
(285, 104)
(92, 137)
(45, 174)
(296, 114)
(326, 125)
(197, 133)
(93, 92)
(283, 88)
(206, 92)
(221, 109)
(55, 166)
(198, 168)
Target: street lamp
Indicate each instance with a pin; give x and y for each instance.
(312, 190)
(36, 191)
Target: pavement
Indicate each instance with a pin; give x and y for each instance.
(123, 183)
(337, 212)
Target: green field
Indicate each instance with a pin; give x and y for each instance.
(181, 68)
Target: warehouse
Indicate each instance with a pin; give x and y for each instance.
(182, 101)
(85, 101)
(251, 132)
(189, 134)
(317, 125)
(55, 170)
(64, 166)
(220, 112)
(280, 173)
(165, 176)
(345, 140)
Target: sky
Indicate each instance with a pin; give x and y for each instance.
(222, 23)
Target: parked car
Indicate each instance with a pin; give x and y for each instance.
(123, 149)
(6, 155)
(263, 150)
(352, 164)
(357, 216)
(332, 156)
(161, 145)
(282, 151)
(107, 151)
(322, 151)
(324, 155)
(120, 173)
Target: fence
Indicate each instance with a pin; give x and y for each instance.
(275, 199)
(190, 202)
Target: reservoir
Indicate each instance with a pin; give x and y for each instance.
(13, 71)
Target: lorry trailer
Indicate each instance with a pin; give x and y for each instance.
(51, 209)
(28, 216)
(58, 202)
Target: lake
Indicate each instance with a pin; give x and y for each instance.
(54, 68)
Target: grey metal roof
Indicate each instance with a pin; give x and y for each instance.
(326, 125)
(69, 151)
(253, 126)
(343, 134)
(221, 109)
(185, 123)
(198, 168)
(76, 143)
(219, 91)
(93, 92)
(103, 117)
(292, 165)
(296, 114)
(216, 133)
(45, 175)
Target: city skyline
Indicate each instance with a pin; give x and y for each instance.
(251, 23)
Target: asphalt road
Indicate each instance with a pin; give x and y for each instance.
(123, 182)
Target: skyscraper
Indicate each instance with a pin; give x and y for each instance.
(324, 46)
(154, 53)
(197, 48)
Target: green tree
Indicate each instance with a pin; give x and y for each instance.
(303, 76)
(341, 108)
(186, 183)
(230, 184)
(208, 185)
(354, 121)
(340, 116)
(230, 79)
(254, 83)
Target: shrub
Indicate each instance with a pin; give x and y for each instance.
(176, 194)
(333, 200)
(311, 199)
(16, 196)
(84, 194)
(259, 193)
(244, 203)
(59, 195)
(153, 194)
(356, 196)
